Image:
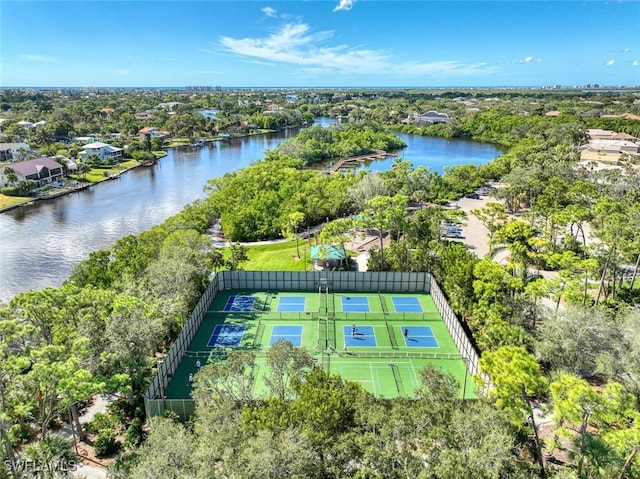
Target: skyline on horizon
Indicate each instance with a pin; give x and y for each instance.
(319, 44)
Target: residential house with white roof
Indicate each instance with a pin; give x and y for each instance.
(102, 151)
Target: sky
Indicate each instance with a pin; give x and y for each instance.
(319, 43)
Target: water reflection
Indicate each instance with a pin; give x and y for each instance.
(40, 244)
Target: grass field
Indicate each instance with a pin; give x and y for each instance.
(277, 257)
(363, 337)
(8, 201)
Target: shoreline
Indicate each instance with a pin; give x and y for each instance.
(66, 190)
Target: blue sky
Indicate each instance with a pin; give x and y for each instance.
(319, 43)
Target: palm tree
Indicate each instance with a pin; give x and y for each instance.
(11, 176)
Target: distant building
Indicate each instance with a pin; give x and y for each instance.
(86, 139)
(428, 118)
(145, 115)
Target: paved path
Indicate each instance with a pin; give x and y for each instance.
(89, 471)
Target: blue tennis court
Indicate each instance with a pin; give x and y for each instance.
(226, 335)
(240, 303)
(419, 337)
(406, 304)
(291, 303)
(355, 304)
(293, 334)
(360, 336)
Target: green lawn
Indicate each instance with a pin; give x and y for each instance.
(277, 257)
(7, 201)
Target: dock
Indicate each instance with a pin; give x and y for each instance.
(354, 161)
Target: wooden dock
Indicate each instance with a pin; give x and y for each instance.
(353, 161)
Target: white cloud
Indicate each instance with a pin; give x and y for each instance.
(39, 58)
(445, 69)
(635, 63)
(120, 71)
(610, 62)
(345, 5)
(527, 60)
(269, 12)
(295, 44)
(626, 50)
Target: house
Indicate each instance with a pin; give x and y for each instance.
(13, 151)
(102, 151)
(429, 118)
(145, 115)
(42, 170)
(153, 132)
(327, 257)
(85, 139)
(611, 147)
(170, 106)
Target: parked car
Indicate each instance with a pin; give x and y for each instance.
(473, 196)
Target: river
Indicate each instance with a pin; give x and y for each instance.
(40, 244)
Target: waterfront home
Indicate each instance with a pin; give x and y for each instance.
(103, 151)
(13, 151)
(42, 170)
(153, 132)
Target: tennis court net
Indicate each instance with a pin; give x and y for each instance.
(404, 355)
(380, 316)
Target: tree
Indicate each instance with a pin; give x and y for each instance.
(56, 380)
(338, 231)
(494, 217)
(237, 256)
(517, 235)
(287, 365)
(232, 379)
(167, 452)
(131, 334)
(385, 213)
(576, 404)
(576, 339)
(10, 175)
(516, 380)
(294, 221)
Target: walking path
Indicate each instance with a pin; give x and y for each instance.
(88, 469)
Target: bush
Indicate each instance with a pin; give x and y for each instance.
(100, 421)
(18, 434)
(9, 191)
(105, 443)
(133, 436)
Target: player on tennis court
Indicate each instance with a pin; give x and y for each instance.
(406, 333)
(353, 330)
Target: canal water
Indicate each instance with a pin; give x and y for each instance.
(40, 244)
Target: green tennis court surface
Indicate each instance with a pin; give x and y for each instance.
(380, 340)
